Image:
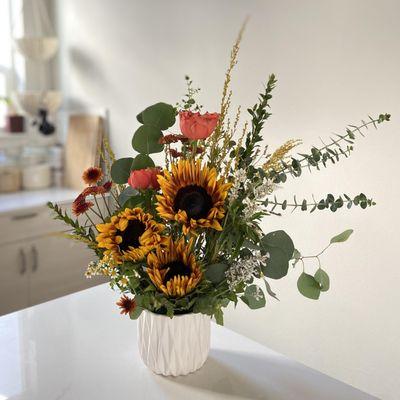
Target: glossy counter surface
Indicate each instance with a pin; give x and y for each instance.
(79, 347)
(10, 202)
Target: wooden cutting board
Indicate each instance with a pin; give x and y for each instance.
(85, 135)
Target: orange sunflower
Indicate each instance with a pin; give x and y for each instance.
(130, 235)
(174, 269)
(192, 195)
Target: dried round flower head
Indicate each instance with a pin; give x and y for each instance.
(92, 175)
(126, 304)
(80, 205)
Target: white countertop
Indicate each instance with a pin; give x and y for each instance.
(10, 202)
(78, 347)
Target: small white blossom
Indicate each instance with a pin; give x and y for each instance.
(123, 281)
(243, 270)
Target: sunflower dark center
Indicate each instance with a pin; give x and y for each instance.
(131, 235)
(176, 268)
(194, 200)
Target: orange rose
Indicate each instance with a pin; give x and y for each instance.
(144, 178)
(196, 126)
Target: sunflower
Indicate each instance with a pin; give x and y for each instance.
(130, 235)
(192, 195)
(174, 269)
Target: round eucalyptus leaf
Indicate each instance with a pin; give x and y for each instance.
(126, 194)
(160, 115)
(142, 161)
(308, 286)
(216, 272)
(277, 265)
(146, 140)
(323, 279)
(254, 297)
(278, 239)
(121, 169)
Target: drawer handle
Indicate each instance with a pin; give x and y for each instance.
(24, 216)
(35, 258)
(22, 267)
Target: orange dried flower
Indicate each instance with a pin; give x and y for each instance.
(80, 205)
(126, 304)
(92, 175)
(171, 138)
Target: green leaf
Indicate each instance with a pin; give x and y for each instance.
(135, 314)
(126, 194)
(323, 279)
(279, 239)
(277, 265)
(160, 115)
(269, 290)
(134, 201)
(342, 237)
(254, 297)
(121, 169)
(146, 140)
(296, 257)
(142, 161)
(216, 272)
(308, 286)
(219, 317)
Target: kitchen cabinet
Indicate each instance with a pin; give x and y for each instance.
(14, 283)
(37, 263)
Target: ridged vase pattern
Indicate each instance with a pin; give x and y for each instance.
(173, 346)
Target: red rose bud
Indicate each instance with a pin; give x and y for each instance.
(196, 126)
(144, 178)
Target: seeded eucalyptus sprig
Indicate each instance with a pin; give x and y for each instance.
(328, 203)
(341, 146)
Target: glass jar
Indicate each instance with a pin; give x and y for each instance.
(36, 168)
(10, 173)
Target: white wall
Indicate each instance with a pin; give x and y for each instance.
(337, 62)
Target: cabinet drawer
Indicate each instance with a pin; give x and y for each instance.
(28, 223)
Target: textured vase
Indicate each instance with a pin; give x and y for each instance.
(173, 346)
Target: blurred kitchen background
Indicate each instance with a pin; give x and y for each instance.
(43, 151)
(74, 71)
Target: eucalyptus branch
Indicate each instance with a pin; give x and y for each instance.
(329, 202)
(329, 152)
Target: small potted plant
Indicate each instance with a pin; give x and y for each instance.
(14, 121)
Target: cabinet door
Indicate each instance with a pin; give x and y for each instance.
(14, 289)
(57, 267)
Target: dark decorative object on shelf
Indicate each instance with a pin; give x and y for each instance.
(15, 123)
(45, 126)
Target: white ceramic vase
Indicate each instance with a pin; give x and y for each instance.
(173, 346)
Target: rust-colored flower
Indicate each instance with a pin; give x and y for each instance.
(175, 153)
(107, 186)
(80, 205)
(171, 138)
(126, 304)
(92, 175)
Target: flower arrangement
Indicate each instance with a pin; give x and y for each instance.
(187, 237)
